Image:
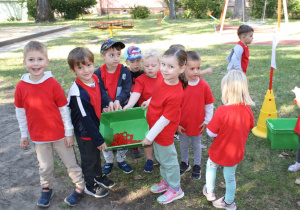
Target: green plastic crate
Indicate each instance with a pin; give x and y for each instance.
(281, 133)
(133, 121)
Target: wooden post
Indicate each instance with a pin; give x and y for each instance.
(223, 16)
(279, 14)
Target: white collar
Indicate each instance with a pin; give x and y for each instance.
(194, 83)
(47, 75)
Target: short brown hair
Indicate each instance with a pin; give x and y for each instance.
(35, 46)
(78, 56)
(193, 56)
(244, 29)
(180, 46)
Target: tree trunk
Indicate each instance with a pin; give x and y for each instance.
(44, 11)
(172, 9)
(239, 7)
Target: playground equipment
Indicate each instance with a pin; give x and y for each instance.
(268, 109)
(223, 14)
(162, 21)
(209, 14)
(255, 23)
(110, 25)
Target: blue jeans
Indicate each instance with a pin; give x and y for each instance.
(229, 175)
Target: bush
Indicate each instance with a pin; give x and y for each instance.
(257, 8)
(139, 12)
(69, 9)
(31, 8)
(294, 8)
(199, 8)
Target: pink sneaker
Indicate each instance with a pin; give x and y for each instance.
(170, 196)
(160, 187)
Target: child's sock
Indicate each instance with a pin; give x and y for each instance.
(227, 202)
(176, 189)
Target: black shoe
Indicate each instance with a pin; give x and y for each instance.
(184, 168)
(104, 181)
(135, 153)
(196, 172)
(96, 191)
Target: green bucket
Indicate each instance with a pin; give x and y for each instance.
(132, 121)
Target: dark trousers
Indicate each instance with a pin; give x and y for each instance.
(90, 160)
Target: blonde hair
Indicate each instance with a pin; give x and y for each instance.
(234, 88)
(35, 46)
(152, 53)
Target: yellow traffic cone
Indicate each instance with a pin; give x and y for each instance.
(267, 111)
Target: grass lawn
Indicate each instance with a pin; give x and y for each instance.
(263, 181)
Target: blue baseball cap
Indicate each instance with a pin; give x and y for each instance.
(132, 53)
(110, 42)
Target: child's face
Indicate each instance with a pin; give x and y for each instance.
(112, 57)
(84, 72)
(171, 69)
(134, 65)
(247, 39)
(36, 62)
(192, 70)
(151, 66)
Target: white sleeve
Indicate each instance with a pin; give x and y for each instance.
(22, 120)
(209, 112)
(211, 134)
(66, 118)
(157, 128)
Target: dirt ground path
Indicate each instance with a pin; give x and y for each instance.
(19, 182)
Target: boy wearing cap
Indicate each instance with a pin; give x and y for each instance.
(133, 57)
(117, 82)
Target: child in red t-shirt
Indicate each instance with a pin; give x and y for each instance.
(42, 111)
(133, 59)
(197, 111)
(296, 166)
(117, 82)
(238, 58)
(230, 127)
(163, 117)
(143, 90)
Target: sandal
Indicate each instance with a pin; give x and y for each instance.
(74, 197)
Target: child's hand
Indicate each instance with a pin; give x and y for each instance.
(202, 127)
(145, 104)
(127, 106)
(102, 147)
(117, 105)
(209, 70)
(179, 130)
(110, 107)
(147, 142)
(105, 110)
(24, 142)
(69, 141)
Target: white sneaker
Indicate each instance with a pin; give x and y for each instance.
(209, 196)
(295, 167)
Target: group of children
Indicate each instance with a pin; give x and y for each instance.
(177, 98)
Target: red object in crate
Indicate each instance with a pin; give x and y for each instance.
(123, 139)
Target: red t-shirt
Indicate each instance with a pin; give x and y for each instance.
(232, 123)
(245, 57)
(110, 80)
(166, 101)
(95, 97)
(94, 93)
(193, 107)
(41, 102)
(144, 85)
(297, 127)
